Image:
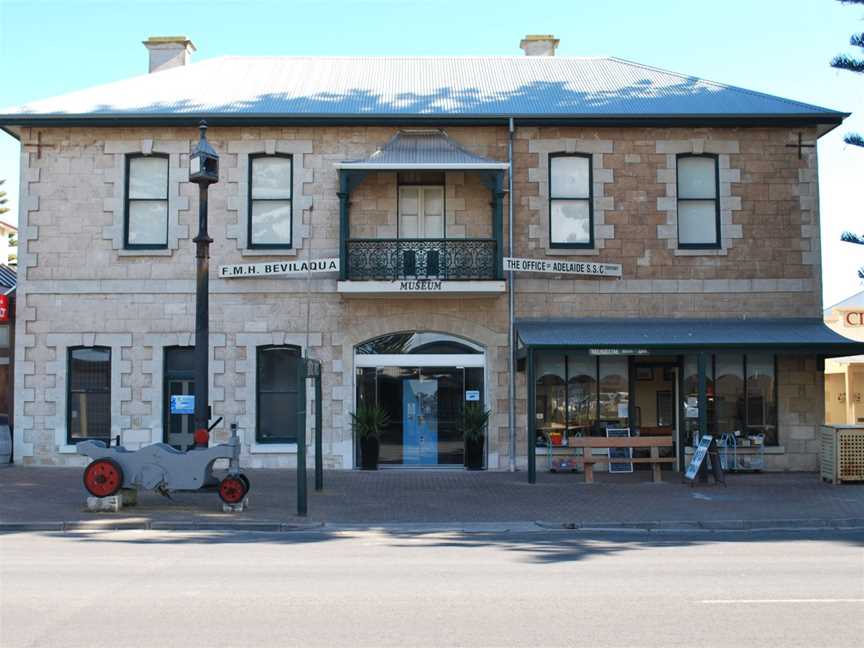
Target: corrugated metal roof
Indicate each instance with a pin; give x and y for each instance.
(793, 333)
(413, 149)
(8, 278)
(416, 86)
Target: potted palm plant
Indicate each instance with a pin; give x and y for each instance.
(473, 424)
(368, 422)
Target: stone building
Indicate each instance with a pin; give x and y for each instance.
(401, 168)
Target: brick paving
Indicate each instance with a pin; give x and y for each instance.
(438, 496)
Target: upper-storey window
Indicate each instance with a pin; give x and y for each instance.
(698, 202)
(146, 224)
(571, 219)
(270, 181)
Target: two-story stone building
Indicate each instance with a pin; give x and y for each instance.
(420, 175)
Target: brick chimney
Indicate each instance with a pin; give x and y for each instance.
(168, 52)
(539, 45)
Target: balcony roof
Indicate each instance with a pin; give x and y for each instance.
(419, 150)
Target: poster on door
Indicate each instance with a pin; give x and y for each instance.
(420, 422)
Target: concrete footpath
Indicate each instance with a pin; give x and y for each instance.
(52, 499)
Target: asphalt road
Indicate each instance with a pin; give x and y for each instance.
(140, 588)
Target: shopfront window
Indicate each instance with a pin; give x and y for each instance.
(742, 400)
(614, 394)
(579, 395)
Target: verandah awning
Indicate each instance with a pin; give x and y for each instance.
(791, 334)
(422, 149)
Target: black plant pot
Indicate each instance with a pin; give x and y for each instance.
(369, 453)
(474, 454)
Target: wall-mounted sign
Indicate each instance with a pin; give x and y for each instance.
(615, 352)
(472, 395)
(278, 269)
(4, 308)
(587, 268)
(853, 318)
(183, 404)
(421, 285)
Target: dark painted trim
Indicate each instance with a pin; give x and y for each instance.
(277, 119)
(589, 245)
(126, 200)
(250, 244)
(717, 225)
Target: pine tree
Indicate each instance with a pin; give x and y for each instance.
(852, 64)
(3, 200)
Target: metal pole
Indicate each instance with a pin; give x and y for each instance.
(319, 456)
(511, 305)
(202, 322)
(532, 435)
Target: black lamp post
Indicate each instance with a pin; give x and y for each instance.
(203, 171)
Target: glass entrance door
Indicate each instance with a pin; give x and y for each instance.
(420, 422)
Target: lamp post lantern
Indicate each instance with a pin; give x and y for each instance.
(203, 171)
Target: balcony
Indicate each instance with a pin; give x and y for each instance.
(411, 219)
(403, 259)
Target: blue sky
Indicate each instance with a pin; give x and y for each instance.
(776, 46)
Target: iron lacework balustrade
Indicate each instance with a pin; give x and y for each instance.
(448, 259)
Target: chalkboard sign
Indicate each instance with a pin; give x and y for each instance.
(698, 457)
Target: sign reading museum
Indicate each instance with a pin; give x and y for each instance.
(588, 268)
(278, 269)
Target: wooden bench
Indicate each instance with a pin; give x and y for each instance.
(654, 443)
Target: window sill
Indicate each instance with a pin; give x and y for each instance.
(143, 252)
(271, 252)
(592, 251)
(273, 448)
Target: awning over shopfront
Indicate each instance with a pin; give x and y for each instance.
(632, 336)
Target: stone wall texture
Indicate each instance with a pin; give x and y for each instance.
(77, 286)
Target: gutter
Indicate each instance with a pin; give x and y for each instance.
(282, 119)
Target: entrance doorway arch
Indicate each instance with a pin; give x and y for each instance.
(422, 379)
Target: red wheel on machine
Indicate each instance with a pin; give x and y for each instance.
(245, 481)
(103, 477)
(232, 490)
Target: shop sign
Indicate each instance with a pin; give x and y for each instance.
(183, 404)
(586, 268)
(421, 285)
(698, 457)
(854, 318)
(278, 269)
(617, 352)
(4, 308)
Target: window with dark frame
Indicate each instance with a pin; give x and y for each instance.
(88, 412)
(146, 209)
(571, 196)
(698, 201)
(277, 394)
(270, 201)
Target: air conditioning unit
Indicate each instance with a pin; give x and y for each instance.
(842, 457)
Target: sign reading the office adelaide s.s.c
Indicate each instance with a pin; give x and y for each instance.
(587, 268)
